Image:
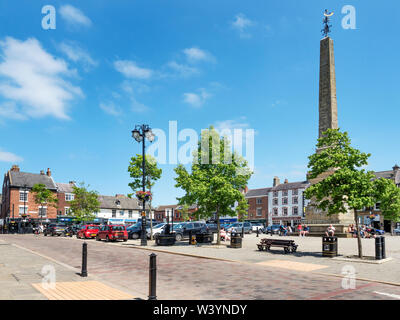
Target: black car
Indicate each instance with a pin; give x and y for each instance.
(55, 229)
(274, 229)
(212, 227)
(134, 231)
(183, 231)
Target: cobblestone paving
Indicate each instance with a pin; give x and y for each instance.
(181, 277)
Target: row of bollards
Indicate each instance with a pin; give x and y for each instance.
(152, 271)
(380, 251)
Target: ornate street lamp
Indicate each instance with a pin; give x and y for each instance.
(140, 134)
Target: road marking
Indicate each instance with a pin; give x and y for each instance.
(291, 265)
(82, 290)
(394, 296)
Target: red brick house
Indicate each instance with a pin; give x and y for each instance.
(258, 204)
(161, 213)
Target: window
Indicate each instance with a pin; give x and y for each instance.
(259, 201)
(285, 201)
(285, 193)
(69, 196)
(23, 196)
(295, 200)
(295, 192)
(23, 210)
(275, 201)
(121, 213)
(130, 213)
(295, 211)
(67, 210)
(285, 211)
(259, 212)
(275, 211)
(43, 212)
(114, 213)
(378, 206)
(275, 193)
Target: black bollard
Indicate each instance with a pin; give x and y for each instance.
(152, 277)
(378, 248)
(84, 260)
(190, 236)
(383, 247)
(257, 232)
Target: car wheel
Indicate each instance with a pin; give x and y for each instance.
(178, 237)
(135, 236)
(45, 234)
(107, 239)
(97, 238)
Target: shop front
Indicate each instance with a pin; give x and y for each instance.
(286, 221)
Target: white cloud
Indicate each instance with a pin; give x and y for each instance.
(231, 124)
(74, 16)
(130, 70)
(111, 109)
(182, 70)
(195, 54)
(77, 54)
(241, 24)
(9, 157)
(34, 79)
(196, 99)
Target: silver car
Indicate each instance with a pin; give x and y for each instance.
(238, 226)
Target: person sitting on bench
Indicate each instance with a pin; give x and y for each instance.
(330, 231)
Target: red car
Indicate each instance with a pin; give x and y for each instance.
(88, 231)
(112, 233)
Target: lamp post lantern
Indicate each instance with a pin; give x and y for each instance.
(140, 134)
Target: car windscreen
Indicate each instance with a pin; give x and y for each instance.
(118, 228)
(93, 227)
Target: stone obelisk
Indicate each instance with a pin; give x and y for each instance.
(317, 219)
(328, 117)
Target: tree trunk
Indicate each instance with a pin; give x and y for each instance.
(358, 235)
(218, 228)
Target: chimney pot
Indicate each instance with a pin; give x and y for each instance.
(15, 168)
(41, 172)
(48, 172)
(276, 181)
(286, 181)
(396, 168)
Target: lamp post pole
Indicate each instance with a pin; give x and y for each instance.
(140, 133)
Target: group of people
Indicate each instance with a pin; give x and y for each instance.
(365, 231)
(303, 230)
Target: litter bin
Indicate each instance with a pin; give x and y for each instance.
(329, 247)
(236, 240)
(378, 248)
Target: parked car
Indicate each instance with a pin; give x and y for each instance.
(157, 229)
(273, 229)
(238, 226)
(134, 231)
(88, 231)
(212, 227)
(396, 231)
(54, 229)
(112, 233)
(375, 231)
(68, 232)
(257, 226)
(182, 231)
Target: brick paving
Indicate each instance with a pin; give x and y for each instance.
(192, 278)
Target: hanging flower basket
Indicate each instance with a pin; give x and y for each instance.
(372, 216)
(143, 195)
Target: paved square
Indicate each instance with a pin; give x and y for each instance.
(291, 265)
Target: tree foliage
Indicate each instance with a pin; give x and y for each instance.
(216, 179)
(85, 203)
(152, 172)
(348, 186)
(44, 196)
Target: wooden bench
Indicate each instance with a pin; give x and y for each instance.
(288, 245)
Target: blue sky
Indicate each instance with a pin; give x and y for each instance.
(70, 97)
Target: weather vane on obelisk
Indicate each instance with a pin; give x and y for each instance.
(327, 27)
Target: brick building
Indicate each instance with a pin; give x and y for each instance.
(18, 199)
(257, 200)
(161, 213)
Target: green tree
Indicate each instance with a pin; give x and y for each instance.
(85, 204)
(242, 209)
(185, 214)
(152, 174)
(348, 186)
(216, 179)
(44, 197)
(388, 194)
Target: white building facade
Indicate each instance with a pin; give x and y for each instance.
(286, 202)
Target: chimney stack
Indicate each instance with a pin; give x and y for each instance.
(276, 182)
(396, 168)
(119, 195)
(48, 172)
(42, 172)
(286, 181)
(15, 168)
(72, 182)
